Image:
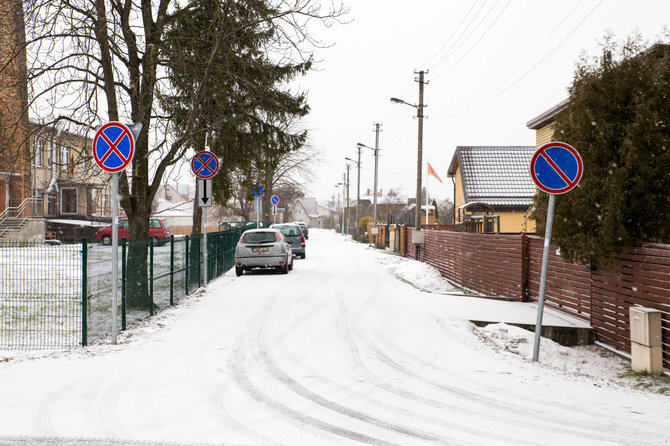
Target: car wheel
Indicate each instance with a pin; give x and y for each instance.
(106, 240)
(290, 267)
(302, 256)
(239, 271)
(284, 269)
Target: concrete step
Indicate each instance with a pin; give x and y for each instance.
(567, 336)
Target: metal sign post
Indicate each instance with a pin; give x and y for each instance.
(259, 192)
(556, 168)
(274, 200)
(113, 150)
(205, 165)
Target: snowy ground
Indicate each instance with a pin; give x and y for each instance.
(355, 345)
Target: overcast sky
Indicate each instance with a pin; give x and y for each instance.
(493, 65)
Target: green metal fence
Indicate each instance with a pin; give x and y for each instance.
(40, 295)
(61, 296)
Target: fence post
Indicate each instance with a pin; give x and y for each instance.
(151, 276)
(172, 269)
(187, 267)
(200, 259)
(84, 291)
(123, 283)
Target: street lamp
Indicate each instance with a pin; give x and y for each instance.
(338, 205)
(419, 162)
(358, 187)
(374, 216)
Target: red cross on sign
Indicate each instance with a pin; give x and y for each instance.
(113, 147)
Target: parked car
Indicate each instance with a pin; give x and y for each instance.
(303, 226)
(293, 235)
(158, 230)
(263, 248)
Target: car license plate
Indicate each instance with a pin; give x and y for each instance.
(259, 250)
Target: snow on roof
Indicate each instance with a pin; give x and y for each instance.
(496, 175)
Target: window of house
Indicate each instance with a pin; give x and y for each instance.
(68, 201)
(64, 158)
(51, 205)
(37, 147)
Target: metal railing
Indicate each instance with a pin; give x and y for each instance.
(60, 296)
(20, 213)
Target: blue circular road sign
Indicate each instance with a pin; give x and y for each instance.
(113, 147)
(259, 191)
(205, 164)
(556, 168)
(274, 200)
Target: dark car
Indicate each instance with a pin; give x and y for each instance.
(303, 226)
(293, 235)
(158, 230)
(263, 248)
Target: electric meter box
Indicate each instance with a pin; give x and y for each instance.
(418, 237)
(645, 326)
(646, 346)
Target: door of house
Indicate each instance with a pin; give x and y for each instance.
(2, 196)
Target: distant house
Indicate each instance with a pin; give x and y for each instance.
(493, 187)
(306, 209)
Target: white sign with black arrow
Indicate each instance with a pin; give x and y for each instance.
(205, 198)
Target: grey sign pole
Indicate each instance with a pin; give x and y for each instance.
(115, 253)
(543, 276)
(259, 209)
(204, 240)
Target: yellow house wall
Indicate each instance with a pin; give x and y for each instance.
(515, 222)
(544, 135)
(458, 187)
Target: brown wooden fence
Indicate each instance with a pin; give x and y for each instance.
(509, 265)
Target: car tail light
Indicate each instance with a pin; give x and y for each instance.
(241, 237)
(278, 236)
(302, 239)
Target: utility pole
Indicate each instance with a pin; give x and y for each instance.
(358, 189)
(419, 160)
(374, 217)
(348, 206)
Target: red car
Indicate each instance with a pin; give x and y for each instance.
(158, 230)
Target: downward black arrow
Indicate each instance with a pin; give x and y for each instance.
(205, 199)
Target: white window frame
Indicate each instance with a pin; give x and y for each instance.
(64, 155)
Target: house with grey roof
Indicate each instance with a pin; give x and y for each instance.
(493, 187)
(306, 209)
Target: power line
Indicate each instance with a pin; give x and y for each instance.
(444, 58)
(453, 33)
(495, 96)
(478, 40)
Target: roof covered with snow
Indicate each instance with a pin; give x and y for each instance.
(496, 175)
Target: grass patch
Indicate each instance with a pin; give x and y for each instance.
(650, 383)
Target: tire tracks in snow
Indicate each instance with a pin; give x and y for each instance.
(548, 421)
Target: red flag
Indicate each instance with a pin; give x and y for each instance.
(431, 171)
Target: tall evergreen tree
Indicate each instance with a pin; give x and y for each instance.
(618, 119)
(248, 107)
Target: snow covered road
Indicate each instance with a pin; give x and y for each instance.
(339, 351)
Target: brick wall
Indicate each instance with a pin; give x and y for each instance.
(511, 265)
(14, 153)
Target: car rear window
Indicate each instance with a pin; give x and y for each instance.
(259, 237)
(289, 231)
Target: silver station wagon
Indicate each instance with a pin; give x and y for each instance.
(263, 248)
